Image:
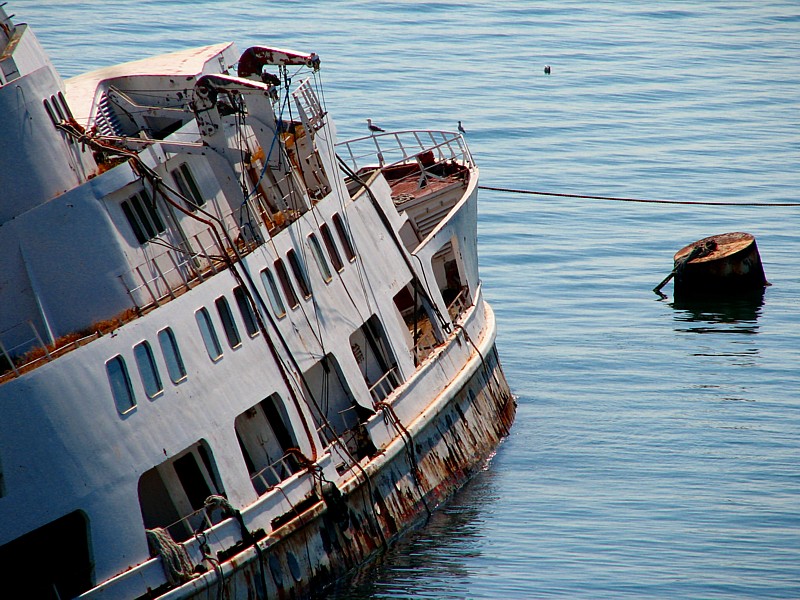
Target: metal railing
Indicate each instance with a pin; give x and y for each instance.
(271, 475)
(402, 147)
(21, 347)
(263, 481)
(158, 279)
(459, 304)
(387, 383)
(186, 527)
(162, 276)
(26, 354)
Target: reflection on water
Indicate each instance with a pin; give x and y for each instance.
(728, 314)
(732, 314)
(429, 562)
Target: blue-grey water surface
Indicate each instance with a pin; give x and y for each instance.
(656, 452)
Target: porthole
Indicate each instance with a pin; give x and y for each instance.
(275, 569)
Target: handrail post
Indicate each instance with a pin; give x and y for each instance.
(147, 286)
(41, 341)
(4, 353)
(352, 157)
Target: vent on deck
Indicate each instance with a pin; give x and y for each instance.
(106, 119)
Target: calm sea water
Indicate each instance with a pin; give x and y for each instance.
(656, 452)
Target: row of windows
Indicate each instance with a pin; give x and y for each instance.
(140, 210)
(142, 214)
(120, 380)
(146, 223)
(116, 368)
(208, 331)
(121, 387)
(270, 284)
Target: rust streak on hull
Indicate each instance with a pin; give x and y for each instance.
(309, 553)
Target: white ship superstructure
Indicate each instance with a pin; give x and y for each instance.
(236, 356)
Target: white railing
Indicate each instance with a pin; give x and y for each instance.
(401, 147)
(265, 480)
(381, 389)
(459, 304)
(158, 279)
(162, 276)
(23, 342)
(28, 352)
(271, 475)
(186, 527)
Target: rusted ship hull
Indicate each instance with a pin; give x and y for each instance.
(324, 541)
(246, 356)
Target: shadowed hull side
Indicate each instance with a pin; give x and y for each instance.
(246, 356)
(396, 491)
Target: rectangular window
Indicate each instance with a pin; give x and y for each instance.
(148, 371)
(272, 293)
(286, 284)
(228, 323)
(187, 186)
(209, 334)
(344, 237)
(246, 309)
(172, 355)
(330, 246)
(299, 273)
(143, 217)
(316, 250)
(141, 237)
(121, 387)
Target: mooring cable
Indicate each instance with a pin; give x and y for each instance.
(642, 200)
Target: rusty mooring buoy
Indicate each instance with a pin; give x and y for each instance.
(720, 264)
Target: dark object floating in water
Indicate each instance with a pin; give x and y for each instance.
(722, 264)
(547, 69)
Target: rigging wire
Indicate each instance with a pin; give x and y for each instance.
(640, 200)
(408, 445)
(160, 188)
(303, 383)
(218, 230)
(342, 193)
(278, 129)
(241, 136)
(317, 333)
(426, 291)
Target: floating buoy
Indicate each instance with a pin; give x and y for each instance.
(720, 264)
(547, 69)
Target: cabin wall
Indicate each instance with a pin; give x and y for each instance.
(38, 161)
(457, 432)
(71, 260)
(48, 461)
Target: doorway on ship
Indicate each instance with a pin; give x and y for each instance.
(266, 439)
(172, 494)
